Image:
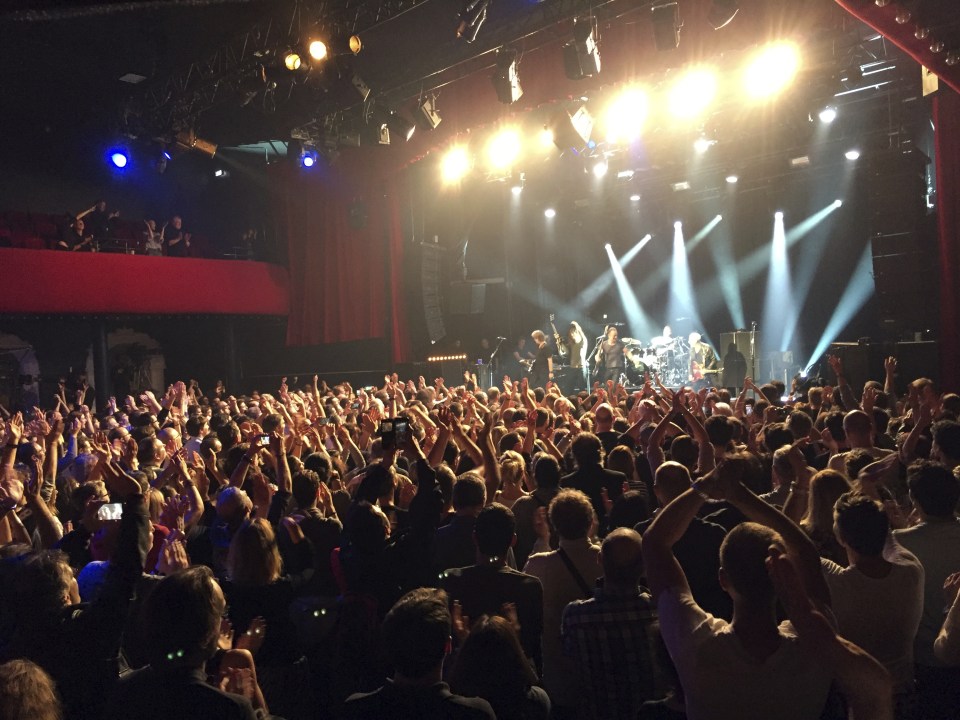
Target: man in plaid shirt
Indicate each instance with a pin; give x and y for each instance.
(613, 638)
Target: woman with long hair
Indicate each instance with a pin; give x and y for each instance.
(826, 487)
(491, 665)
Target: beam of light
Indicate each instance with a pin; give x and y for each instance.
(858, 291)
(681, 302)
(455, 164)
(590, 294)
(703, 232)
(638, 321)
(504, 148)
(809, 262)
(779, 293)
(721, 248)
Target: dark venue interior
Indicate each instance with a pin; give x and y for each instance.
(722, 236)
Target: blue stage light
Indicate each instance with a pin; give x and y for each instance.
(119, 158)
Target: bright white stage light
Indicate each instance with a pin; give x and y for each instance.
(549, 213)
(455, 165)
(733, 179)
(626, 115)
(838, 202)
(504, 148)
(600, 169)
(701, 145)
(635, 198)
(771, 70)
(516, 190)
(852, 154)
(692, 93)
(828, 115)
(778, 215)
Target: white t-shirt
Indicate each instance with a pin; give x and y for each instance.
(722, 682)
(936, 544)
(881, 615)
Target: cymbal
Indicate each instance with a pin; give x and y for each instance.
(661, 340)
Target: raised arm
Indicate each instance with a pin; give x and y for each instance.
(668, 526)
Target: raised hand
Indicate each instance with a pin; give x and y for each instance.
(460, 622)
(173, 554)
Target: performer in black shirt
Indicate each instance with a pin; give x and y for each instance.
(610, 356)
(542, 369)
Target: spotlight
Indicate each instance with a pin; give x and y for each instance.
(400, 126)
(607, 246)
(692, 93)
(718, 218)
(506, 79)
(778, 215)
(342, 45)
(852, 154)
(680, 186)
(308, 157)
(504, 148)
(292, 61)
(317, 50)
(119, 159)
(626, 115)
(828, 115)
(600, 169)
(221, 173)
(838, 202)
(427, 113)
(581, 57)
(666, 25)
(625, 175)
(572, 131)
(546, 137)
(635, 198)
(771, 70)
(799, 162)
(702, 144)
(677, 225)
(516, 190)
(549, 213)
(455, 165)
(722, 12)
(471, 18)
(733, 179)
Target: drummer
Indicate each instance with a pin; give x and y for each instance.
(664, 340)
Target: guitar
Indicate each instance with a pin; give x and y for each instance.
(561, 345)
(697, 371)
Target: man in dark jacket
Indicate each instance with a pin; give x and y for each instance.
(591, 478)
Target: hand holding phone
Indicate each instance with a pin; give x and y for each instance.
(110, 511)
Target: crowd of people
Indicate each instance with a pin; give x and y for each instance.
(422, 551)
(93, 230)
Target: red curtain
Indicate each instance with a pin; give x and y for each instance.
(946, 119)
(345, 244)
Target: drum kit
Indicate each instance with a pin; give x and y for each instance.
(667, 357)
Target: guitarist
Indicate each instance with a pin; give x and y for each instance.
(703, 362)
(542, 369)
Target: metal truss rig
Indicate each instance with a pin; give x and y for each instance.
(174, 102)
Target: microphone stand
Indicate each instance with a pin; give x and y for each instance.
(753, 350)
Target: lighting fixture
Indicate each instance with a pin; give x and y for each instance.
(399, 125)
(119, 158)
(828, 114)
(455, 164)
(625, 175)
(549, 213)
(516, 190)
(771, 70)
(679, 186)
(504, 148)
(308, 157)
(801, 161)
(446, 358)
(838, 202)
(677, 225)
(188, 140)
(722, 12)
(701, 145)
(600, 168)
(292, 61)
(581, 56)
(471, 18)
(635, 198)
(317, 50)
(506, 79)
(570, 131)
(626, 115)
(666, 25)
(852, 154)
(221, 173)
(692, 93)
(733, 179)
(546, 137)
(427, 114)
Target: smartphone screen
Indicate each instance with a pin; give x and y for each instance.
(263, 440)
(748, 410)
(110, 511)
(323, 421)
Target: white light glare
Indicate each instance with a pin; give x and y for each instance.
(549, 213)
(504, 148)
(771, 70)
(718, 218)
(635, 198)
(838, 202)
(600, 169)
(732, 179)
(778, 215)
(516, 190)
(701, 145)
(852, 154)
(692, 93)
(677, 225)
(626, 116)
(456, 164)
(608, 246)
(828, 115)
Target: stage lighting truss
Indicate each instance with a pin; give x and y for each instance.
(427, 114)
(581, 56)
(471, 18)
(506, 76)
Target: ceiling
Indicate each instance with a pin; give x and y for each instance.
(61, 62)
